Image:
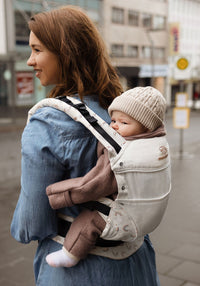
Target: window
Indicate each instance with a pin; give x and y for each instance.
(118, 15)
(132, 51)
(133, 18)
(159, 53)
(146, 52)
(21, 28)
(117, 50)
(159, 22)
(146, 20)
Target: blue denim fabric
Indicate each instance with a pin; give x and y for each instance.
(54, 147)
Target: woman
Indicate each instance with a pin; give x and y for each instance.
(68, 52)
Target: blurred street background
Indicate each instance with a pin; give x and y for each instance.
(150, 42)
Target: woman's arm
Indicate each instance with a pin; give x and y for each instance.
(33, 218)
(53, 149)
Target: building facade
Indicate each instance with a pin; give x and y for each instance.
(18, 85)
(135, 32)
(184, 52)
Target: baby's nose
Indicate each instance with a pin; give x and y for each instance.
(115, 126)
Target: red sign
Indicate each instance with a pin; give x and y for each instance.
(174, 38)
(25, 84)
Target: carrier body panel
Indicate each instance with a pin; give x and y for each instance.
(143, 174)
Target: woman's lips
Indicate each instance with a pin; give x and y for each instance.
(37, 73)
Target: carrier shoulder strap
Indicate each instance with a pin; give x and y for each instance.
(78, 111)
(81, 107)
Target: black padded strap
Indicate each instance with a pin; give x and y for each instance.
(93, 121)
(95, 205)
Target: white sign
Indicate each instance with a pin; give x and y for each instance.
(156, 71)
(182, 67)
(3, 41)
(181, 99)
(181, 118)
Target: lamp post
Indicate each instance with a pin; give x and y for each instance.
(148, 32)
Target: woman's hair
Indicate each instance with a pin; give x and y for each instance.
(85, 65)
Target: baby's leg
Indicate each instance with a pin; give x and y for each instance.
(61, 258)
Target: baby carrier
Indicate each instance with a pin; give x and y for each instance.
(142, 172)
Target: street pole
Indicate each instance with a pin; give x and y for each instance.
(181, 129)
(10, 68)
(152, 56)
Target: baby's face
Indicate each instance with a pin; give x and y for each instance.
(125, 125)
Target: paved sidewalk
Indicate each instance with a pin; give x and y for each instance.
(176, 240)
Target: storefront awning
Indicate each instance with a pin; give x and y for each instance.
(128, 71)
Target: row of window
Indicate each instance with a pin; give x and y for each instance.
(136, 18)
(119, 50)
(24, 10)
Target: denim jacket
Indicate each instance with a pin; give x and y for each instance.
(54, 148)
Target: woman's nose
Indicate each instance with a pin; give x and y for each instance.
(31, 61)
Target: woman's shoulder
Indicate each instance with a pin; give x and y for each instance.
(57, 121)
(60, 122)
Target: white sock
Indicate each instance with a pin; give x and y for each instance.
(61, 258)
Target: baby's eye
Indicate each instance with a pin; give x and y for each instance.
(113, 121)
(124, 123)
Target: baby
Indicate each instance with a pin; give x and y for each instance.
(136, 114)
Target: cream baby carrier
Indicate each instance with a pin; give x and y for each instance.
(142, 171)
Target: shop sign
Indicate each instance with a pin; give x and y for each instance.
(25, 87)
(174, 38)
(153, 70)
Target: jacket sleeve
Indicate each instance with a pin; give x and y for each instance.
(47, 152)
(97, 183)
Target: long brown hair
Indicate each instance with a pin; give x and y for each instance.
(85, 65)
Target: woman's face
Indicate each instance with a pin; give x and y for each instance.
(44, 62)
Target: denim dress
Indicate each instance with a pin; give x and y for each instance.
(54, 148)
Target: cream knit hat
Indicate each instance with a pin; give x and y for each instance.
(145, 104)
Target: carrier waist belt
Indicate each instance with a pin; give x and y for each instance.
(63, 227)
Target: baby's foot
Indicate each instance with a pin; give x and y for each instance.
(61, 258)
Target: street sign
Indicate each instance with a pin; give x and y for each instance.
(181, 99)
(181, 118)
(182, 63)
(181, 67)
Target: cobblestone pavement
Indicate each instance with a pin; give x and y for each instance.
(176, 240)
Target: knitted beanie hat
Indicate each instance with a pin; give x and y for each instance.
(145, 104)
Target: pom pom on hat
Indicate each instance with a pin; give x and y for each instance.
(145, 104)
